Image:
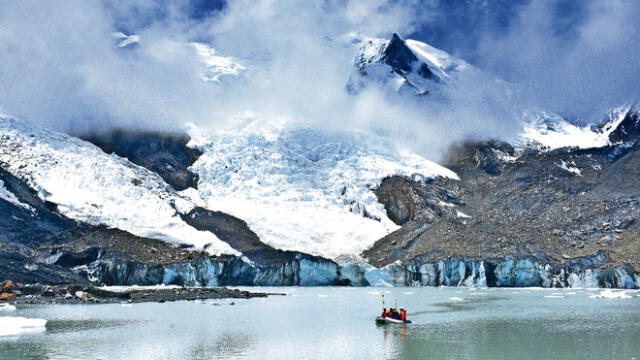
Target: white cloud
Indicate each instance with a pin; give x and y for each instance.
(62, 69)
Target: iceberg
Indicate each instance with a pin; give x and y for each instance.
(11, 326)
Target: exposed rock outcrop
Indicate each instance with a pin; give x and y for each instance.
(164, 153)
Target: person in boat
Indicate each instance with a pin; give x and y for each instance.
(384, 312)
(395, 314)
(403, 314)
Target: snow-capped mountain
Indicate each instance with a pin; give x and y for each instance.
(299, 188)
(405, 66)
(293, 197)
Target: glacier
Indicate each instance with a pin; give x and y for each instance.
(303, 188)
(97, 188)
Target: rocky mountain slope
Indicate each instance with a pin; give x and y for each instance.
(544, 208)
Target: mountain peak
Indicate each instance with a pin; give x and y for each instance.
(400, 57)
(406, 65)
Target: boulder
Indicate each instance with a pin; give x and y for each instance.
(7, 284)
(7, 296)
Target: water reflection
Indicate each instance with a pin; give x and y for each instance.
(58, 326)
(227, 345)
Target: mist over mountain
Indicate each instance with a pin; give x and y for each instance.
(63, 70)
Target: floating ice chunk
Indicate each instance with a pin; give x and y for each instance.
(455, 298)
(611, 294)
(554, 296)
(322, 295)
(7, 307)
(10, 326)
(408, 293)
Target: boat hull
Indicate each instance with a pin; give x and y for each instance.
(386, 320)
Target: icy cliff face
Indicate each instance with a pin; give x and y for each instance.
(97, 188)
(584, 272)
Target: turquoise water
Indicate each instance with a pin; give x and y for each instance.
(338, 323)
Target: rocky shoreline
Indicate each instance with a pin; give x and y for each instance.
(17, 293)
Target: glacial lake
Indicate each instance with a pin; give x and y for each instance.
(338, 323)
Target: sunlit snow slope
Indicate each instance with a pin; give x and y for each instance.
(98, 188)
(301, 188)
(550, 131)
(406, 66)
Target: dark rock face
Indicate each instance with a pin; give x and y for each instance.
(404, 199)
(23, 229)
(231, 230)
(629, 128)
(487, 156)
(548, 207)
(166, 154)
(270, 266)
(28, 226)
(402, 60)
